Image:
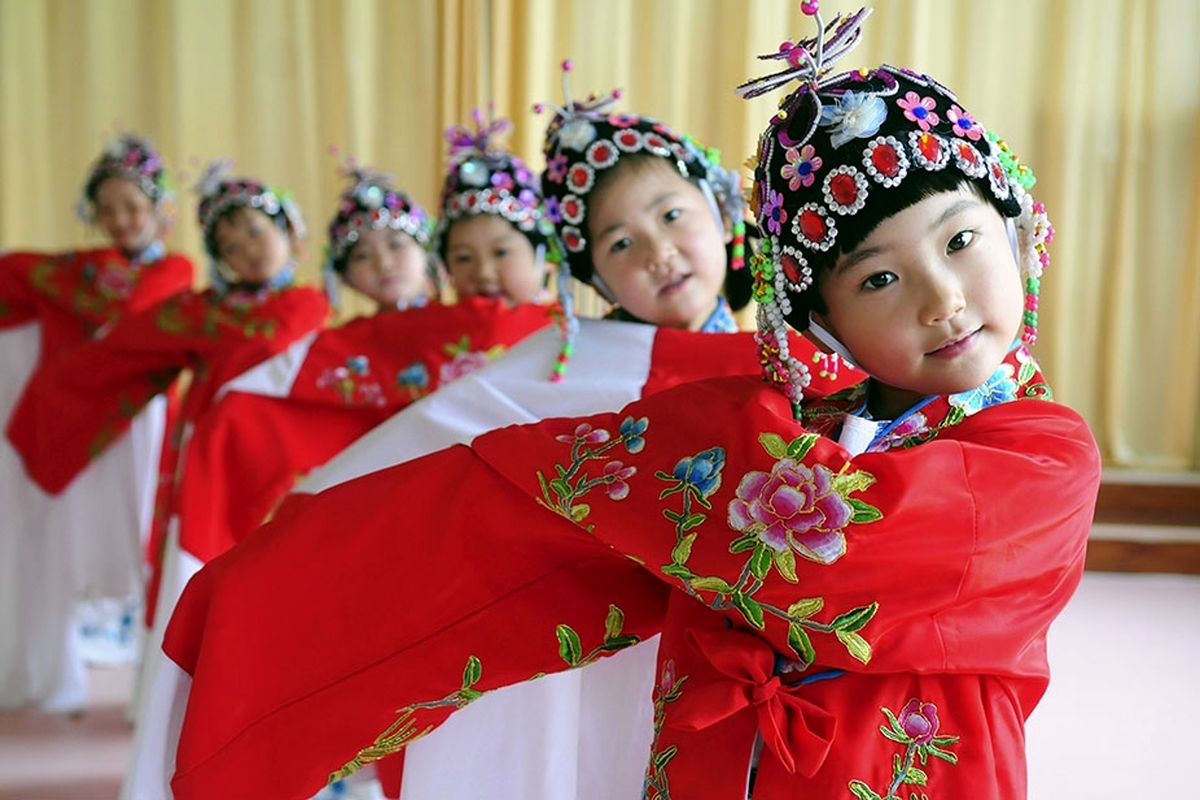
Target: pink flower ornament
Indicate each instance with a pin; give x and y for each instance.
(794, 507)
(919, 110)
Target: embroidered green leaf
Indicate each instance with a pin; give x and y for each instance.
(803, 609)
(562, 473)
(856, 646)
(1025, 373)
(751, 610)
(944, 740)
(665, 493)
(712, 584)
(798, 448)
(944, 755)
(855, 618)
(760, 562)
(671, 515)
(863, 512)
(895, 723)
(472, 672)
(693, 521)
(678, 571)
(542, 483)
(955, 416)
(863, 792)
(743, 543)
(923, 754)
(468, 695)
(613, 623)
(579, 512)
(1039, 390)
(569, 646)
(700, 498)
(785, 562)
(891, 734)
(560, 487)
(683, 550)
(915, 776)
(619, 643)
(662, 759)
(774, 445)
(800, 643)
(849, 483)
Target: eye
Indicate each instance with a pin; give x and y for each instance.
(624, 243)
(879, 280)
(672, 215)
(501, 252)
(960, 241)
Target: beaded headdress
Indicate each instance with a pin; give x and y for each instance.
(482, 178)
(586, 138)
(219, 192)
(132, 158)
(838, 144)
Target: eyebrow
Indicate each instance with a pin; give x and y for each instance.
(951, 211)
(657, 201)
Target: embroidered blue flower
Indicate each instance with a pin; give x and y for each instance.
(702, 471)
(856, 115)
(415, 376)
(631, 430)
(1000, 388)
(358, 364)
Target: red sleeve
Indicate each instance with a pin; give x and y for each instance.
(18, 300)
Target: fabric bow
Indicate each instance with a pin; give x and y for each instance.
(796, 730)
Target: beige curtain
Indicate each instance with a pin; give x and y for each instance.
(1100, 97)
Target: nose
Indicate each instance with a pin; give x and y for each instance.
(660, 253)
(944, 298)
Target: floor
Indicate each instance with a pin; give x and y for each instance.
(1116, 723)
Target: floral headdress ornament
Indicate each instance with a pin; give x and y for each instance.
(839, 141)
(483, 178)
(219, 191)
(584, 139)
(130, 157)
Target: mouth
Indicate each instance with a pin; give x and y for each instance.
(674, 285)
(954, 346)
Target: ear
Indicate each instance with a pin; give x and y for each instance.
(299, 247)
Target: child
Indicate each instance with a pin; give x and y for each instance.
(493, 231)
(615, 362)
(378, 241)
(83, 542)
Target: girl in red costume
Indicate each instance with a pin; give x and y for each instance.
(85, 541)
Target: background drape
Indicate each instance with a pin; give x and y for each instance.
(1100, 97)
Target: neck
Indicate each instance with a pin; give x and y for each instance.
(151, 252)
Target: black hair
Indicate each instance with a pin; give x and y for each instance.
(92, 188)
(855, 228)
(738, 284)
(228, 213)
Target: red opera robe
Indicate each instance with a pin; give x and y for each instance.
(879, 619)
(613, 364)
(56, 549)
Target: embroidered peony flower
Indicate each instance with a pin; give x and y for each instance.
(633, 429)
(913, 425)
(556, 168)
(114, 283)
(774, 212)
(703, 470)
(919, 721)
(919, 109)
(585, 433)
(964, 125)
(801, 167)
(615, 476)
(1000, 388)
(854, 116)
(793, 506)
(463, 364)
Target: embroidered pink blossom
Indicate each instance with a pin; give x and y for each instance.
(586, 434)
(774, 212)
(793, 506)
(667, 682)
(801, 167)
(919, 110)
(964, 125)
(913, 425)
(463, 364)
(919, 721)
(556, 168)
(622, 120)
(615, 476)
(114, 283)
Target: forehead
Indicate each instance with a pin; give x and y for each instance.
(914, 223)
(479, 230)
(239, 220)
(115, 189)
(634, 184)
(377, 236)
